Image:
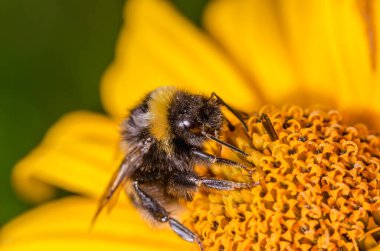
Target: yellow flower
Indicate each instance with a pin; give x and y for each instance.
(251, 53)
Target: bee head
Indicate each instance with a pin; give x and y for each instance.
(190, 115)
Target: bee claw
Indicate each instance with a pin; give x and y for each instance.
(250, 184)
(256, 183)
(250, 172)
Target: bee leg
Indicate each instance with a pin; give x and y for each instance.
(233, 148)
(184, 232)
(226, 184)
(190, 180)
(212, 159)
(159, 213)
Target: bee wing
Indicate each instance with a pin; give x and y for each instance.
(127, 167)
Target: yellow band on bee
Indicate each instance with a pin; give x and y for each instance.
(159, 107)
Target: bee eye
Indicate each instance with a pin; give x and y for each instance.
(185, 124)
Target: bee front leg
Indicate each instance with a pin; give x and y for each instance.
(187, 181)
(159, 213)
(212, 159)
(226, 184)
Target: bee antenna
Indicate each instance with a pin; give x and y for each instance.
(233, 111)
(233, 148)
(267, 123)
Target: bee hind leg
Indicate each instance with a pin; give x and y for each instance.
(159, 213)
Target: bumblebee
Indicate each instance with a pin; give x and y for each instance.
(165, 136)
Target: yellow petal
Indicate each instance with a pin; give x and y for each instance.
(306, 52)
(302, 52)
(333, 54)
(309, 38)
(158, 47)
(330, 49)
(376, 20)
(65, 224)
(251, 33)
(351, 45)
(78, 154)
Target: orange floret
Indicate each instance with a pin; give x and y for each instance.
(319, 187)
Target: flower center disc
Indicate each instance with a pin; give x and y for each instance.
(319, 186)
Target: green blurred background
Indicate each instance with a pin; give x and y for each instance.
(53, 53)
